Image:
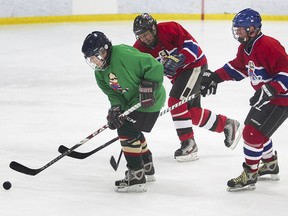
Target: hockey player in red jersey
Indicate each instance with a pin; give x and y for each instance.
(264, 60)
(184, 63)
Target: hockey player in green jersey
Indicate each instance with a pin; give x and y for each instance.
(128, 77)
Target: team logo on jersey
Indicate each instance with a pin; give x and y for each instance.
(163, 54)
(255, 80)
(113, 81)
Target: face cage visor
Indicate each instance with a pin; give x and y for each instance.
(97, 61)
(241, 34)
(148, 38)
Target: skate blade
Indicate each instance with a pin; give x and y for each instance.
(191, 157)
(150, 178)
(239, 188)
(238, 136)
(269, 177)
(138, 188)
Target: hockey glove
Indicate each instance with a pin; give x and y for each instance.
(172, 63)
(209, 83)
(146, 90)
(263, 96)
(113, 119)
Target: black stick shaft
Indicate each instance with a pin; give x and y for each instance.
(29, 171)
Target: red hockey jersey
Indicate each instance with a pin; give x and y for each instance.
(174, 39)
(267, 62)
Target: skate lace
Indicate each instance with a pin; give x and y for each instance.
(263, 167)
(271, 166)
(241, 178)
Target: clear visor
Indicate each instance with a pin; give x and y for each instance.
(97, 61)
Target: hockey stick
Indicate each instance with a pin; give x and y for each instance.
(174, 106)
(83, 155)
(29, 171)
(113, 160)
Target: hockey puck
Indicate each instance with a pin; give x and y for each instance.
(7, 185)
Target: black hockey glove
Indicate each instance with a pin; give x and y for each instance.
(263, 96)
(113, 119)
(146, 90)
(209, 83)
(172, 63)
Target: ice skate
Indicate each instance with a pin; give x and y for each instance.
(134, 181)
(149, 172)
(246, 181)
(233, 133)
(269, 170)
(187, 152)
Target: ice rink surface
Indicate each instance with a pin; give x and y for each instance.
(49, 97)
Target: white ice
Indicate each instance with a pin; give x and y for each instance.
(49, 97)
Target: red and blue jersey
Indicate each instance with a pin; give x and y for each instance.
(174, 39)
(265, 63)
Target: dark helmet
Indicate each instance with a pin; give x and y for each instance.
(143, 23)
(95, 43)
(246, 18)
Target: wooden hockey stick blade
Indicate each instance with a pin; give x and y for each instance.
(83, 155)
(23, 169)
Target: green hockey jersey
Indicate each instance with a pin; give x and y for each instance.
(121, 79)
